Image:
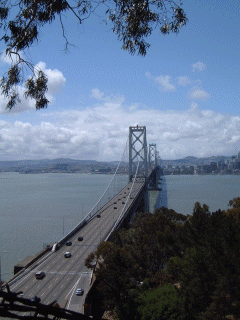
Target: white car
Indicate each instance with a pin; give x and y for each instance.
(79, 292)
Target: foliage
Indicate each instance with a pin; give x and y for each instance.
(163, 303)
(209, 270)
(234, 211)
(135, 261)
(168, 266)
(21, 21)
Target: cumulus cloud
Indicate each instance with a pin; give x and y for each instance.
(199, 94)
(198, 66)
(56, 81)
(101, 132)
(164, 82)
(184, 81)
(11, 58)
(97, 94)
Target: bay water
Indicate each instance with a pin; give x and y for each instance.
(38, 209)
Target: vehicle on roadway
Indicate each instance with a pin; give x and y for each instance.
(80, 238)
(40, 274)
(79, 292)
(98, 216)
(36, 299)
(67, 254)
(68, 243)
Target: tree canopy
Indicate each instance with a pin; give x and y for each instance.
(170, 266)
(21, 21)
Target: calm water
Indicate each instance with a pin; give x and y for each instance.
(38, 209)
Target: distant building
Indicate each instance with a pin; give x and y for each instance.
(213, 166)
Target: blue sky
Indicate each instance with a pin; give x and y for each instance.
(186, 90)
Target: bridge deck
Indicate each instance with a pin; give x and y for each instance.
(65, 275)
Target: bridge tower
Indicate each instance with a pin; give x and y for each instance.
(138, 152)
(158, 159)
(152, 156)
(154, 166)
(138, 158)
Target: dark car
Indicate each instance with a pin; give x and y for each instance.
(40, 274)
(80, 238)
(36, 299)
(98, 216)
(68, 243)
(79, 292)
(67, 254)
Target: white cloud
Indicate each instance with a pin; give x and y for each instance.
(97, 94)
(184, 81)
(199, 94)
(56, 82)
(198, 66)
(11, 58)
(101, 132)
(194, 106)
(164, 82)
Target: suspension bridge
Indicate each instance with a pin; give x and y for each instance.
(63, 265)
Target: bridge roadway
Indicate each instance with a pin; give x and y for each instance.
(65, 275)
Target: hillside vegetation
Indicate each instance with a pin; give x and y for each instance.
(170, 266)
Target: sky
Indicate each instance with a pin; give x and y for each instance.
(186, 90)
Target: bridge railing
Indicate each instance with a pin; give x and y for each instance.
(108, 194)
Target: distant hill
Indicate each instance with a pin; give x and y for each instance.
(193, 161)
(71, 165)
(58, 165)
(44, 162)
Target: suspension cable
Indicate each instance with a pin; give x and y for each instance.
(90, 212)
(120, 215)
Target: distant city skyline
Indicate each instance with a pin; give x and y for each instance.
(185, 91)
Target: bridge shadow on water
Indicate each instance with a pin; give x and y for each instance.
(161, 199)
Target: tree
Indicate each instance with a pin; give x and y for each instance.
(208, 272)
(234, 211)
(21, 21)
(162, 303)
(134, 260)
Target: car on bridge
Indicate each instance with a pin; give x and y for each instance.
(67, 254)
(40, 274)
(79, 292)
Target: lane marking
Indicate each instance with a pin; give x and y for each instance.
(72, 290)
